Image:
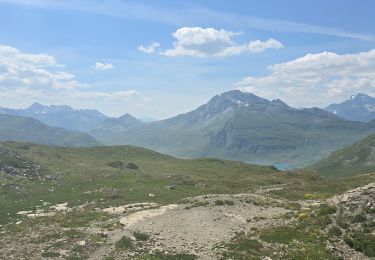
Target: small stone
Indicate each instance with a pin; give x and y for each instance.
(81, 243)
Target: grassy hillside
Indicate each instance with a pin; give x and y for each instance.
(24, 129)
(91, 174)
(354, 159)
(125, 174)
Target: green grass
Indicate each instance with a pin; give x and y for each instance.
(50, 254)
(304, 182)
(284, 235)
(161, 256)
(243, 247)
(86, 177)
(281, 243)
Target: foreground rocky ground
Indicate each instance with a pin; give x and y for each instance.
(217, 226)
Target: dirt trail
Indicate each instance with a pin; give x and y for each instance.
(196, 227)
(143, 215)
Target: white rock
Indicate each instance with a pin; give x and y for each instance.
(81, 243)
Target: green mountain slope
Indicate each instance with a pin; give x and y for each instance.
(354, 159)
(17, 128)
(242, 126)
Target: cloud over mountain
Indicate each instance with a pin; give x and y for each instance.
(330, 76)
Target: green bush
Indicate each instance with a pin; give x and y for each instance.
(132, 166)
(219, 202)
(246, 244)
(229, 202)
(359, 218)
(225, 202)
(141, 236)
(334, 231)
(124, 243)
(364, 243)
(117, 164)
(323, 221)
(50, 254)
(326, 209)
(341, 222)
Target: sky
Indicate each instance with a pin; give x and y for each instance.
(161, 58)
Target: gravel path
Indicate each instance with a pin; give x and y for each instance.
(198, 226)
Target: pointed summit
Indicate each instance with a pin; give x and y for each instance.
(360, 107)
(36, 106)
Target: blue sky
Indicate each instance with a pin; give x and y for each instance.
(161, 58)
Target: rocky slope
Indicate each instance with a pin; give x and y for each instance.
(13, 165)
(216, 226)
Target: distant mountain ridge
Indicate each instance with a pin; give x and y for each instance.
(242, 126)
(60, 116)
(83, 120)
(360, 107)
(115, 125)
(233, 125)
(25, 129)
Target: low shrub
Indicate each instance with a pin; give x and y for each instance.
(124, 243)
(141, 236)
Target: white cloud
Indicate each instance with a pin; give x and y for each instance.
(259, 46)
(209, 42)
(149, 49)
(316, 79)
(19, 69)
(103, 66)
(26, 78)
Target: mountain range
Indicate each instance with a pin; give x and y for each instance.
(233, 125)
(242, 126)
(83, 120)
(360, 107)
